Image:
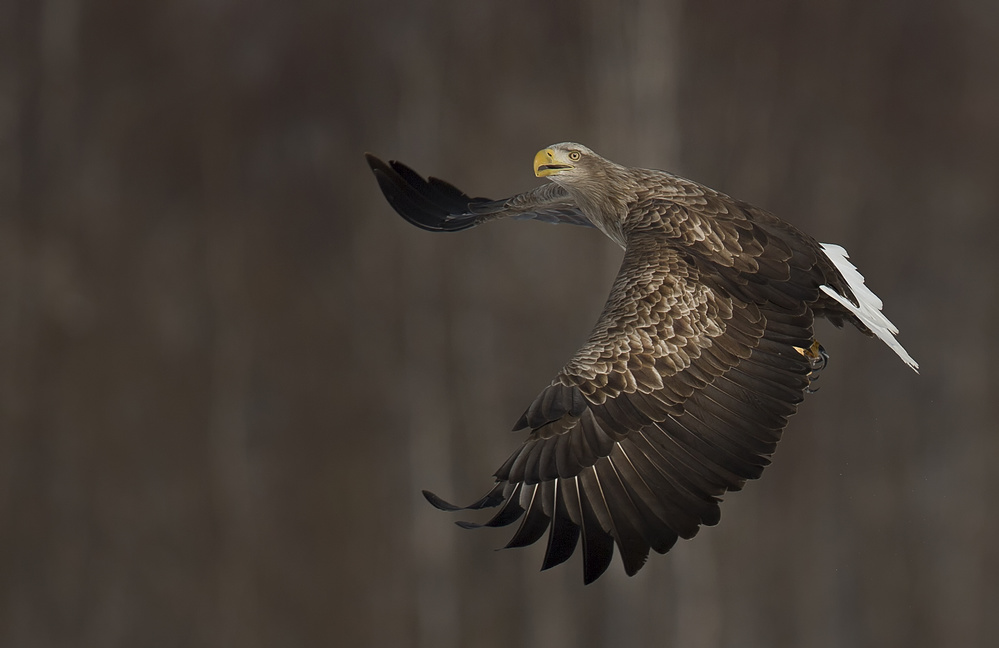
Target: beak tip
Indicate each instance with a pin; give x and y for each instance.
(541, 158)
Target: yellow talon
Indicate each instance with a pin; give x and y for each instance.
(817, 358)
(813, 352)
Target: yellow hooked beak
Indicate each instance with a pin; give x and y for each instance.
(547, 162)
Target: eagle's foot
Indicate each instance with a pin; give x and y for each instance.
(817, 358)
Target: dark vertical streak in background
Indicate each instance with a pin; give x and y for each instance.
(227, 367)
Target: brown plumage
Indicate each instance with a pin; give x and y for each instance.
(691, 372)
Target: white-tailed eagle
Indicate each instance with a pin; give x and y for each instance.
(702, 352)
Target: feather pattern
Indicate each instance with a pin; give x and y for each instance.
(687, 380)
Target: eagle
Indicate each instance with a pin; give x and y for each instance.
(682, 390)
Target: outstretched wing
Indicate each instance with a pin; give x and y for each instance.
(679, 395)
(438, 206)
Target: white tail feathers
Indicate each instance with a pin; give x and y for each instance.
(868, 309)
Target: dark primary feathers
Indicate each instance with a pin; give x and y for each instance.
(685, 384)
(438, 206)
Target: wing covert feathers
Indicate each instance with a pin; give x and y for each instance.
(683, 388)
(679, 395)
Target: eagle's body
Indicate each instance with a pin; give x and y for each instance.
(681, 392)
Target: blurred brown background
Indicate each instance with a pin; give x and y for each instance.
(227, 366)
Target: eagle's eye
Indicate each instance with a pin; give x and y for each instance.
(574, 155)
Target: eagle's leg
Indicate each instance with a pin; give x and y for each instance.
(818, 358)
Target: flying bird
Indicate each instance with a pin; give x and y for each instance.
(681, 392)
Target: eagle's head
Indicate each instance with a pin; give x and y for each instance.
(567, 162)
